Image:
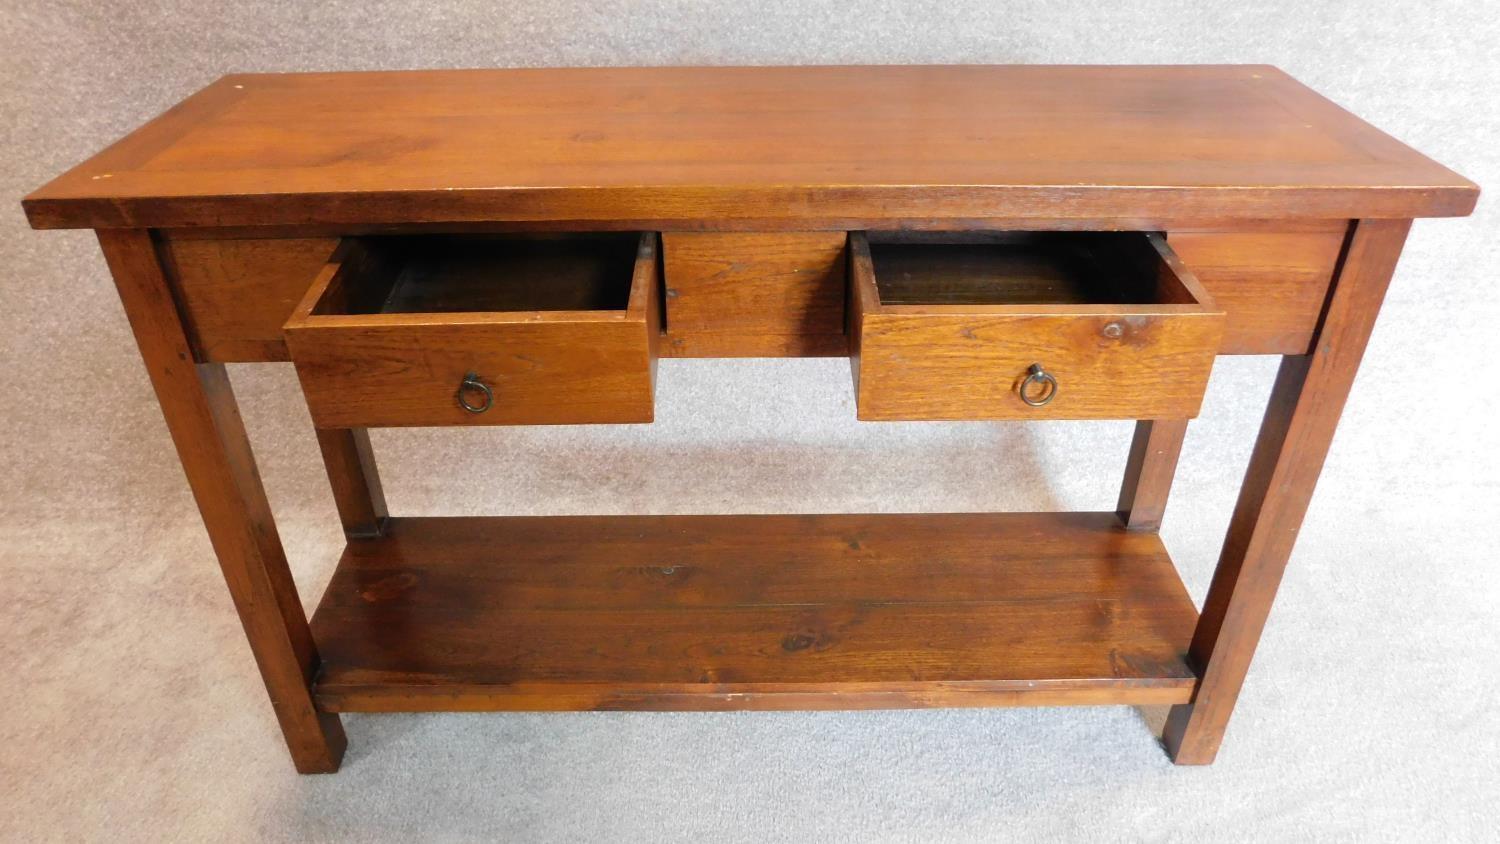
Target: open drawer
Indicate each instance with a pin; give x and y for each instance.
(1027, 325)
(480, 330)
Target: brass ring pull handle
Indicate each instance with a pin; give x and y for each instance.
(473, 386)
(1035, 374)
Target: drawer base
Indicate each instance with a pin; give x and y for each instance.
(753, 612)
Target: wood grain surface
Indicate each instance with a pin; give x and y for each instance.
(749, 294)
(404, 369)
(754, 294)
(1270, 285)
(828, 147)
(737, 612)
(204, 419)
(215, 216)
(968, 361)
(1306, 401)
(358, 495)
(236, 293)
(1149, 471)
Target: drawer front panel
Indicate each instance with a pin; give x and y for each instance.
(539, 367)
(1107, 366)
(539, 373)
(755, 294)
(958, 362)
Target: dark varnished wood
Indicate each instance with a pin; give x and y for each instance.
(1305, 405)
(753, 612)
(1122, 325)
(205, 424)
(365, 360)
(717, 146)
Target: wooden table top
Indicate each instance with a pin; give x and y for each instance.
(818, 146)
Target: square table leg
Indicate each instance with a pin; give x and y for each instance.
(1149, 471)
(350, 463)
(1303, 412)
(205, 424)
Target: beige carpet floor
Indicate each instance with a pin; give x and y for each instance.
(130, 709)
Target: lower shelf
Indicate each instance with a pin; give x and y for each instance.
(753, 612)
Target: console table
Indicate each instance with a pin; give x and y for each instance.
(519, 247)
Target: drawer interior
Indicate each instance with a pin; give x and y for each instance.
(486, 273)
(1021, 268)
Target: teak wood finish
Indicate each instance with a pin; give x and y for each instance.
(236, 294)
(205, 424)
(800, 612)
(265, 191)
(543, 367)
(747, 148)
(1149, 470)
(755, 294)
(941, 355)
(1304, 409)
(1270, 284)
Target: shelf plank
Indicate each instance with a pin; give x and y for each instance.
(753, 612)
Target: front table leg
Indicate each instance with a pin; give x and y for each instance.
(210, 437)
(1304, 409)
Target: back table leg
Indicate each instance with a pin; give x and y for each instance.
(1304, 409)
(356, 483)
(1149, 471)
(205, 425)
